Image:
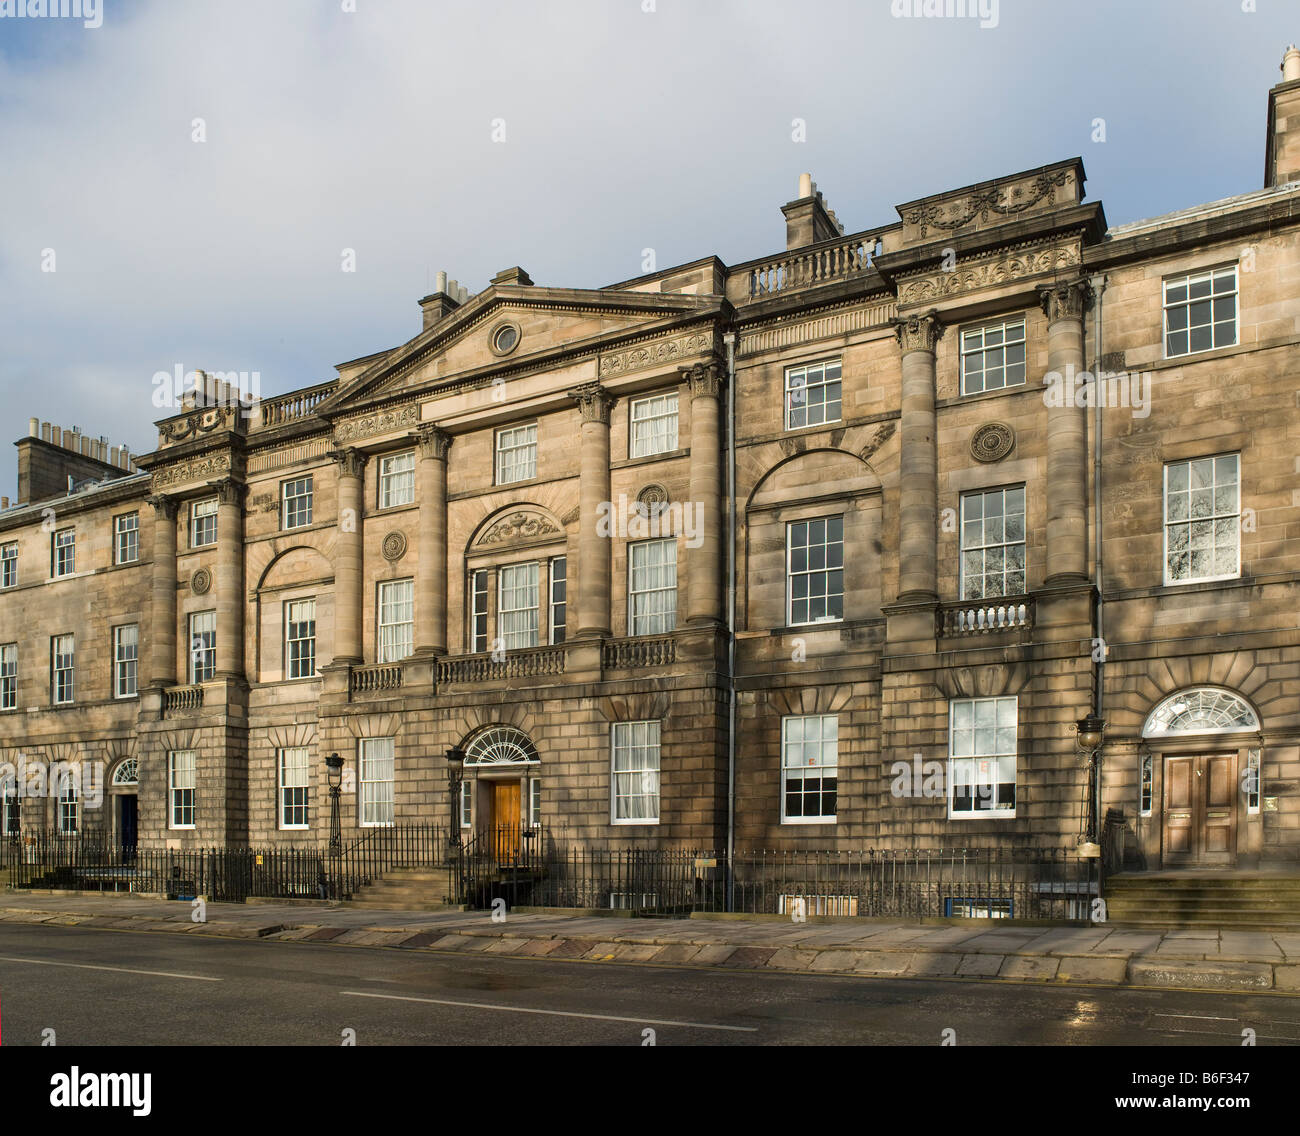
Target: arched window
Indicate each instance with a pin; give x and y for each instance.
(501, 745)
(128, 773)
(1203, 710)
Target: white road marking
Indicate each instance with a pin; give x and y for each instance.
(553, 1013)
(1197, 1017)
(116, 969)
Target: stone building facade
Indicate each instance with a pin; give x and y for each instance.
(513, 534)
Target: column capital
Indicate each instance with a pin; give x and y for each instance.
(1066, 300)
(918, 332)
(432, 442)
(705, 379)
(230, 491)
(164, 506)
(594, 401)
(351, 461)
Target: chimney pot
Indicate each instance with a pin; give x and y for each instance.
(34, 427)
(440, 282)
(1291, 64)
(45, 431)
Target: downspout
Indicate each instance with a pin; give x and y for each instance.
(729, 338)
(1098, 283)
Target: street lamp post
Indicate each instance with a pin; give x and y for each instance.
(1090, 732)
(334, 777)
(455, 779)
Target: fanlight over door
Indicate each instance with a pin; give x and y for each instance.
(501, 745)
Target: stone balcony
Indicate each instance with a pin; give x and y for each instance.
(986, 616)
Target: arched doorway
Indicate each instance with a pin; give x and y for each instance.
(503, 799)
(1200, 767)
(124, 792)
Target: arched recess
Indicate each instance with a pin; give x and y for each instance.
(302, 576)
(515, 580)
(806, 486)
(1200, 710)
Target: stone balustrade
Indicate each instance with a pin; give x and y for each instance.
(290, 407)
(803, 268)
(641, 651)
(530, 662)
(976, 617)
(375, 678)
(182, 700)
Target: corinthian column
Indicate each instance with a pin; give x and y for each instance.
(162, 604)
(432, 445)
(1067, 435)
(594, 548)
(918, 477)
(230, 578)
(704, 562)
(348, 555)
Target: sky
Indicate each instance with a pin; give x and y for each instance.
(566, 137)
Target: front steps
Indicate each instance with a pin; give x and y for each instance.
(1239, 901)
(407, 889)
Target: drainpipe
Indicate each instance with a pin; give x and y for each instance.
(730, 340)
(1098, 283)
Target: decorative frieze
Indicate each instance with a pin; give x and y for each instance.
(518, 526)
(832, 325)
(377, 422)
(994, 204)
(594, 401)
(989, 273)
(199, 469)
(654, 354)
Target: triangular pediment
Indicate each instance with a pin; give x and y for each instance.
(550, 324)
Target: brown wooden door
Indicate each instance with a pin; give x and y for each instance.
(1200, 813)
(505, 819)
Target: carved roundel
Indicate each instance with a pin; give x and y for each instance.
(504, 338)
(394, 545)
(201, 581)
(992, 442)
(651, 500)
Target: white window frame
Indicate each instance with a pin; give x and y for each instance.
(290, 641)
(295, 501)
(985, 545)
(797, 380)
(293, 796)
(126, 661)
(201, 655)
(182, 788)
(202, 522)
(649, 413)
(1212, 519)
(827, 729)
(467, 804)
(68, 658)
(517, 625)
(1186, 280)
(9, 565)
(519, 444)
(626, 742)
(557, 599)
(639, 592)
(391, 635)
(377, 808)
(479, 642)
(1146, 783)
(1251, 783)
(11, 806)
(982, 348)
(810, 572)
(534, 802)
(63, 553)
(1000, 757)
(397, 480)
(67, 805)
(129, 537)
(8, 676)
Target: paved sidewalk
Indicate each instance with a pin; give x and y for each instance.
(1107, 955)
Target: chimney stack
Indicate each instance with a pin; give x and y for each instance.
(445, 298)
(1282, 147)
(807, 219)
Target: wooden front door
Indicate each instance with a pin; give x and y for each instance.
(1200, 814)
(504, 823)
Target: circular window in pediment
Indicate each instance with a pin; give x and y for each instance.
(505, 338)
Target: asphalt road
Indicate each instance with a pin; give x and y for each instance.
(98, 987)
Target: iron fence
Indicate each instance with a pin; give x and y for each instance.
(529, 866)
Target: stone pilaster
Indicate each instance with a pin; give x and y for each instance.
(918, 478)
(162, 606)
(704, 598)
(432, 446)
(1067, 435)
(594, 548)
(349, 554)
(230, 578)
